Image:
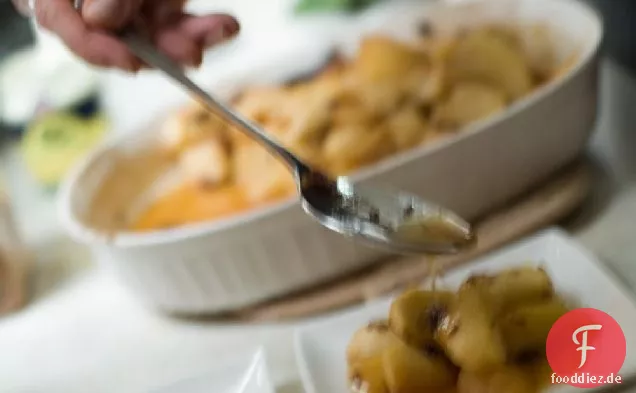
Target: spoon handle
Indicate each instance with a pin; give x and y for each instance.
(147, 52)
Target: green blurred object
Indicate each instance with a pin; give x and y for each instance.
(308, 6)
(54, 143)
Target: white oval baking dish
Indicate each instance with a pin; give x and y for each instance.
(265, 253)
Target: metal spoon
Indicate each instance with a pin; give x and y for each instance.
(398, 221)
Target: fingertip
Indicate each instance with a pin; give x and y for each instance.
(231, 26)
(210, 29)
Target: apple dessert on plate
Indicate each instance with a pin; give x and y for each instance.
(488, 336)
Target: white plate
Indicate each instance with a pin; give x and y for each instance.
(320, 345)
(246, 375)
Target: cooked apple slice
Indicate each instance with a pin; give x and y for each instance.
(487, 57)
(408, 370)
(468, 102)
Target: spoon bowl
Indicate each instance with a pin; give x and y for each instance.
(393, 220)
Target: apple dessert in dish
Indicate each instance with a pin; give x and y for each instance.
(391, 97)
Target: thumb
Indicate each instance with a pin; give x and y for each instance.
(110, 14)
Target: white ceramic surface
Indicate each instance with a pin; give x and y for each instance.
(242, 375)
(320, 345)
(260, 254)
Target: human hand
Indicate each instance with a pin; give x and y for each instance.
(91, 32)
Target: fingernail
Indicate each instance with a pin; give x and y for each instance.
(230, 29)
(101, 12)
(227, 31)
